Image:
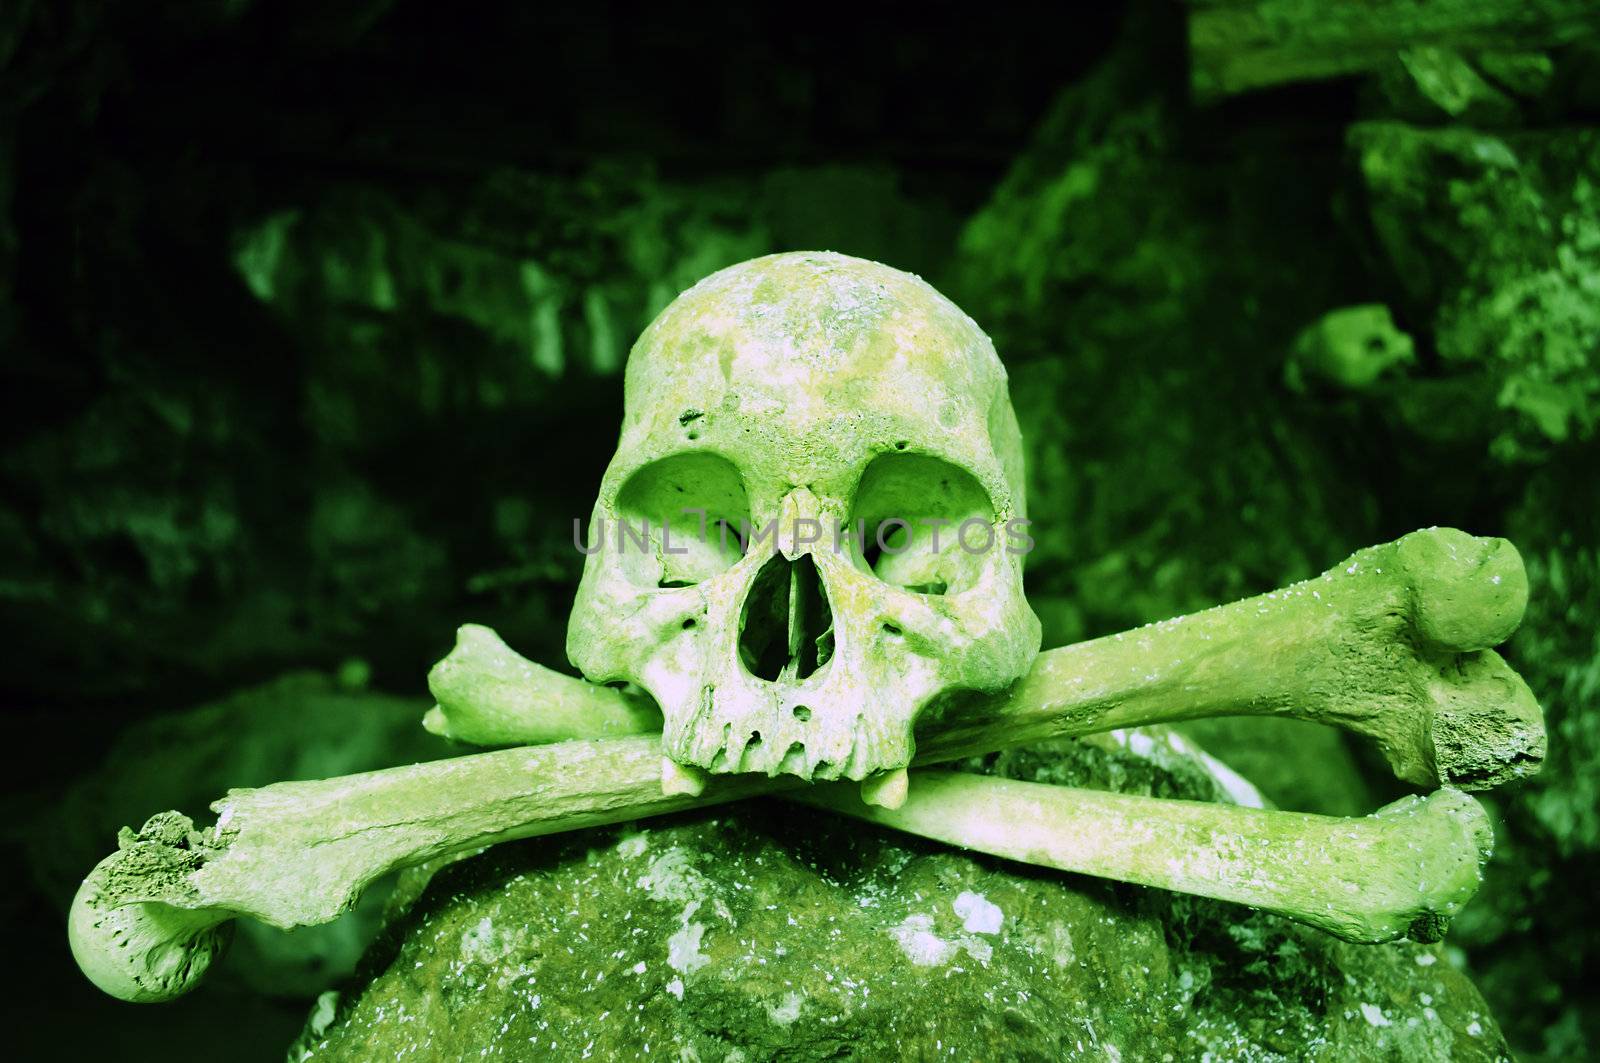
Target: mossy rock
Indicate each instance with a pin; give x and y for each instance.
(766, 931)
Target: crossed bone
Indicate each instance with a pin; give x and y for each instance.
(1393, 643)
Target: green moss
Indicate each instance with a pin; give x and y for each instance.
(772, 932)
(1496, 242)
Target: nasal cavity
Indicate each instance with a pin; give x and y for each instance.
(786, 628)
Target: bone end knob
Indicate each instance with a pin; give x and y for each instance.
(135, 948)
(1486, 728)
(1469, 593)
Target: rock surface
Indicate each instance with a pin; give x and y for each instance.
(766, 932)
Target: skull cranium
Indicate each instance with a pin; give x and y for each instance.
(805, 536)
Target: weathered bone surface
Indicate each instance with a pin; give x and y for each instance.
(807, 392)
(489, 695)
(146, 922)
(1403, 871)
(149, 919)
(1391, 643)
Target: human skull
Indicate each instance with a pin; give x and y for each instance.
(772, 412)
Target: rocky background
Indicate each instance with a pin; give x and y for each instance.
(313, 318)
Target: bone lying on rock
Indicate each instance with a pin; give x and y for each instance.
(1402, 871)
(1391, 643)
(147, 921)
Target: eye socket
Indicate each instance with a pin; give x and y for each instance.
(903, 503)
(662, 545)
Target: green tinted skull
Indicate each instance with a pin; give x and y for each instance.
(801, 431)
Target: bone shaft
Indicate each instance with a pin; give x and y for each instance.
(1162, 674)
(1390, 643)
(1289, 652)
(1198, 667)
(1403, 870)
(1331, 649)
(299, 853)
(490, 695)
(149, 919)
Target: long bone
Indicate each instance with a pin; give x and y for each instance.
(1405, 870)
(1391, 643)
(150, 918)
